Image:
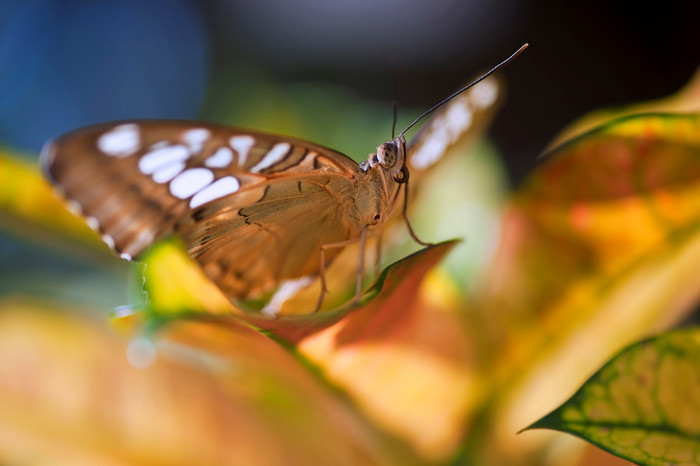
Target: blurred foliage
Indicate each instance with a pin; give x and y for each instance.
(30, 208)
(438, 365)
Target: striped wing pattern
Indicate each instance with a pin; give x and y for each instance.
(240, 200)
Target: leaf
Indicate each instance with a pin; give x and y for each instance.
(405, 358)
(173, 284)
(600, 249)
(602, 208)
(401, 278)
(176, 286)
(643, 405)
(213, 395)
(30, 210)
(620, 190)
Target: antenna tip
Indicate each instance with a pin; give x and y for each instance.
(519, 51)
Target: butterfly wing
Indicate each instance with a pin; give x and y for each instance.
(252, 208)
(462, 118)
(249, 245)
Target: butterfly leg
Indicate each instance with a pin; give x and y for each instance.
(378, 254)
(322, 272)
(405, 217)
(360, 266)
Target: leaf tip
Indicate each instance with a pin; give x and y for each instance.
(546, 422)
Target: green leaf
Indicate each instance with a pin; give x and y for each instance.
(643, 405)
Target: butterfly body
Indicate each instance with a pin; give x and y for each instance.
(253, 209)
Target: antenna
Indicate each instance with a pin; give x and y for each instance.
(473, 83)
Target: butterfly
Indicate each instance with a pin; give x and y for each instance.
(253, 209)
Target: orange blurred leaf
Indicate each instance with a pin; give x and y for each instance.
(405, 359)
(214, 395)
(600, 249)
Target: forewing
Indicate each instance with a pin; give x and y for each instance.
(134, 181)
(249, 243)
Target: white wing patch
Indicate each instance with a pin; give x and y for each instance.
(222, 158)
(458, 119)
(190, 182)
(163, 157)
(168, 172)
(195, 138)
(109, 241)
(288, 289)
(120, 141)
(74, 208)
(484, 94)
(220, 188)
(448, 126)
(446, 129)
(242, 145)
(274, 155)
(93, 223)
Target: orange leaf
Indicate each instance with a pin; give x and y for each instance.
(405, 359)
(215, 395)
(600, 248)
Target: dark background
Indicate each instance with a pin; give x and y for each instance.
(68, 63)
(583, 56)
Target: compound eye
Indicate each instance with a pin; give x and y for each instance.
(386, 153)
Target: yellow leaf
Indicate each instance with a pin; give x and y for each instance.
(174, 284)
(214, 395)
(29, 208)
(600, 249)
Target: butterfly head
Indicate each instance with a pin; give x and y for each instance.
(391, 157)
